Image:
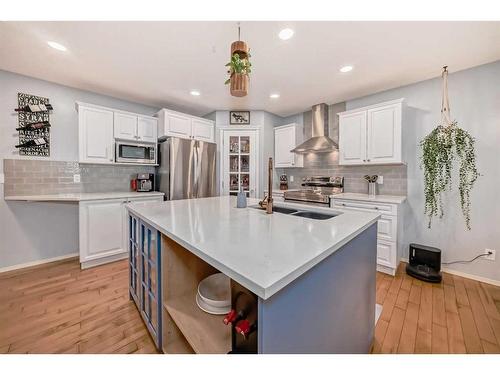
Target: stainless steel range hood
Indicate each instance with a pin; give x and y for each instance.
(320, 140)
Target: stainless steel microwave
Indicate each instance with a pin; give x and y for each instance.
(131, 152)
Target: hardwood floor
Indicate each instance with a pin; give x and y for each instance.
(457, 316)
(58, 308)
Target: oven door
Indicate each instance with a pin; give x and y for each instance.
(135, 153)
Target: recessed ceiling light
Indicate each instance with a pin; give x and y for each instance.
(195, 93)
(57, 46)
(346, 68)
(274, 96)
(286, 34)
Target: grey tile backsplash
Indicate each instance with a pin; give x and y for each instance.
(27, 177)
(395, 178)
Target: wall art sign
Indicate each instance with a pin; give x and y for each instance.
(239, 117)
(33, 125)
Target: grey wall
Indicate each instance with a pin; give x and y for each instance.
(475, 104)
(36, 231)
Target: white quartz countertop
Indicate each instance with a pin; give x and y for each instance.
(262, 252)
(78, 197)
(397, 199)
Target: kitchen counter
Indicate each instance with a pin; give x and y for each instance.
(79, 197)
(395, 199)
(262, 252)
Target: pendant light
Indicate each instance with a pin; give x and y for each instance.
(239, 67)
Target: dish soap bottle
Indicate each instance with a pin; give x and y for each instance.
(241, 199)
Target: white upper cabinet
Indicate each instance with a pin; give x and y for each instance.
(384, 134)
(95, 130)
(286, 138)
(98, 127)
(147, 129)
(371, 135)
(203, 129)
(133, 127)
(125, 126)
(181, 125)
(352, 138)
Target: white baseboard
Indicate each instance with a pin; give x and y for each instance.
(466, 275)
(38, 262)
(100, 261)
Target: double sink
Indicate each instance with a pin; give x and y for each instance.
(302, 213)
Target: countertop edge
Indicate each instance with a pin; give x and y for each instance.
(79, 197)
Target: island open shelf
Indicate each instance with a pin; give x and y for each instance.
(186, 328)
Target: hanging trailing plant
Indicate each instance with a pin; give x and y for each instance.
(440, 149)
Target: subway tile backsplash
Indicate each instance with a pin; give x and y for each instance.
(395, 176)
(28, 177)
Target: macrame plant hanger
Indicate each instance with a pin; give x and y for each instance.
(445, 104)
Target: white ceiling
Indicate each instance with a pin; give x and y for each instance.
(158, 63)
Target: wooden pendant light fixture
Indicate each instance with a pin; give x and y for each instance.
(239, 67)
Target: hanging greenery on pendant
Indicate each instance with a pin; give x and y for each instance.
(445, 144)
(239, 68)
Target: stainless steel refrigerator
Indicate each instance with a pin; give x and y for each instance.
(187, 168)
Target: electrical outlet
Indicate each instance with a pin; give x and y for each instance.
(291, 178)
(76, 178)
(491, 256)
(380, 180)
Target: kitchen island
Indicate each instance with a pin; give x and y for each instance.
(308, 285)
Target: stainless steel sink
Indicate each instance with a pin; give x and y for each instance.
(284, 210)
(302, 213)
(314, 215)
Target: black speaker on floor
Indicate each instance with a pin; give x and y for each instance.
(425, 263)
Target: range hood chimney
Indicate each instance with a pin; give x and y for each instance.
(320, 140)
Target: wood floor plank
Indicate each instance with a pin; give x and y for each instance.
(450, 299)
(380, 331)
(391, 340)
(388, 306)
(415, 294)
(439, 339)
(471, 336)
(482, 322)
(462, 299)
(456, 344)
(409, 331)
(402, 299)
(438, 306)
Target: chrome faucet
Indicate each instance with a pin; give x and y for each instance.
(267, 202)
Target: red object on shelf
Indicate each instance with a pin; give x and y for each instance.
(133, 184)
(243, 327)
(230, 317)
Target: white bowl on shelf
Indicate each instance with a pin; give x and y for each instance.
(215, 291)
(211, 309)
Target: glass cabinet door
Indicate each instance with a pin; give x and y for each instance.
(240, 162)
(151, 280)
(134, 258)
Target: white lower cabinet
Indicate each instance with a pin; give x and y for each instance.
(388, 230)
(103, 230)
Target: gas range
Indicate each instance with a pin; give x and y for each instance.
(317, 189)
